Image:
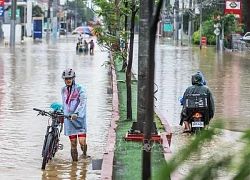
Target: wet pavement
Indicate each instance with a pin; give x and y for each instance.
(30, 76)
(227, 74)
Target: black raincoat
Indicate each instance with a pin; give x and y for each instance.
(198, 88)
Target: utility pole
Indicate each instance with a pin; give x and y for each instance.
(201, 25)
(176, 17)
(13, 23)
(75, 13)
(163, 18)
(190, 21)
(48, 20)
(1, 30)
(54, 19)
(182, 22)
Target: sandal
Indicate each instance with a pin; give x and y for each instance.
(186, 131)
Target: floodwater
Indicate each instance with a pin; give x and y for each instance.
(227, 75)
(30, 76)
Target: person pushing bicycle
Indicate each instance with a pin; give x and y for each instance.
(74, 100)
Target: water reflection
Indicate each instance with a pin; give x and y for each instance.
(66, 170)
(227, 75)
(30, 76)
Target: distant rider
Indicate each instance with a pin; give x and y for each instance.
(74, 100)
(204, 82)
(80, 38)
(197, 88)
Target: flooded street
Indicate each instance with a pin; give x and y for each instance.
(227, 75)
(30, 76)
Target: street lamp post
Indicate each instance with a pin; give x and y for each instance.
(182, 22)
(66, 22)
(75, 14)
(201, 25)
(47, 30)
(13, 23)
(1, 30)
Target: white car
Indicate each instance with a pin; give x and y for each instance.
(246, 37)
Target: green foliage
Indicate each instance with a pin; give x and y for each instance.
(230, 25)
(196, 37)
(208, 32)
(109, 13)
(210, 170)
(84, 12)
(37, 11)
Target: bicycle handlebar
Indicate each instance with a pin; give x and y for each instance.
(35, 109)
(45, 113)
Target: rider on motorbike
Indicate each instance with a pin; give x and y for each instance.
(80, 38)
(197, 87)
(79, 43)
(204, 82)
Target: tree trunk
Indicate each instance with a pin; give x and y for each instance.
(149, 118)
(246, 13)
(124, 64)
(142, 62)
(130, 61)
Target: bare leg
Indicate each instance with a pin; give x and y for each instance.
(82, 142)
(187, 127)
(74, 153)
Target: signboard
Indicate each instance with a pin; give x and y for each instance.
(37, 28)
(217, 31)
(203, 41)
(1, 11)
(1, 2)
(168, 28)
(9, 1)
(17, 13)
(234, 7)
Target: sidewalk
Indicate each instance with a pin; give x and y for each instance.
(123, 159)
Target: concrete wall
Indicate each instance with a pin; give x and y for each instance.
(6, 30)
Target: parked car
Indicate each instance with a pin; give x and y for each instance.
(246, 37)
(62, 31)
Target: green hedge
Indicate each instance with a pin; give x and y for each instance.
(207, 31)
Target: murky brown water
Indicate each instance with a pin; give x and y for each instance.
(30, 77)
(227, 75)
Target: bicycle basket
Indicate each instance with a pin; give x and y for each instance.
(196, 101)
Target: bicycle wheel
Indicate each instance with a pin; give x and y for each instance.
(47, 150)
(55, 145)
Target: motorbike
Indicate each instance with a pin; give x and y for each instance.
(79, 46)
(197, 109)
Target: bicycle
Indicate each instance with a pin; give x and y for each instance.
(52, 137)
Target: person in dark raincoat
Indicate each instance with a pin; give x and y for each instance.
(197, 87)
(204, 82)
(74, 100)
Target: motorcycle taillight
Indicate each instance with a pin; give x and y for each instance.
(197, 115)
